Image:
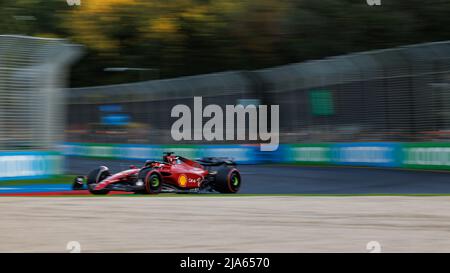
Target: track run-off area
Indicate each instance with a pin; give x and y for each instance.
(225, 224)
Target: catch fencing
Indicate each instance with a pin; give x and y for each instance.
(32, 108)
(32, 76)
(398, 94)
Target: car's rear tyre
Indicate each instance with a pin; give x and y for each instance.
(228, 180)
(96, 176)
(152, 181)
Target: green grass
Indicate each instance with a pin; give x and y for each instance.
(58, 179)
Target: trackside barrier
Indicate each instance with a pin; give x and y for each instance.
(426, 155)
(433, 156)
(350, 154)
(242, 154)
(307, 154)
(29, 164)
(366, 154)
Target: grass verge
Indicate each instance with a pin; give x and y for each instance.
(57, 179)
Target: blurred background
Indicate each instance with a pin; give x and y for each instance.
(87, 77)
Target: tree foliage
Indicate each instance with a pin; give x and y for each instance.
(186, 37)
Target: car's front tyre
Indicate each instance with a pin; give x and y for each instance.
(152, 181)
(95, 177)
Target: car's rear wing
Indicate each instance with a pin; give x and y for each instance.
(216, 161)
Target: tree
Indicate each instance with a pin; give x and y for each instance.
(187, 37)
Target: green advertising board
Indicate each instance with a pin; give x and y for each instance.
(310, 154)
(101, 151)
(426, 155)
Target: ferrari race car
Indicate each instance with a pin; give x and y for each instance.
(173, 174)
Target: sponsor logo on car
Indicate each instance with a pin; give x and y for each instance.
(182, 180)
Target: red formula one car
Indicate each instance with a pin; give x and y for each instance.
(174, 174)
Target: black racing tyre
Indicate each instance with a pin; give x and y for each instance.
(152, 181)
(96, 176)
(228, 180)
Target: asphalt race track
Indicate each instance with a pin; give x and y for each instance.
(277, 179)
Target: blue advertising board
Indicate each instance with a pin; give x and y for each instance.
(29, 164)
(382, 154)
